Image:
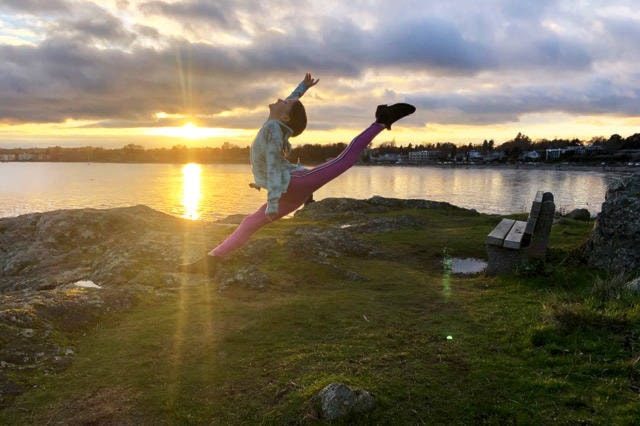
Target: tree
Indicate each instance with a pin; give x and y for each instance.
(515, 147)
(614, 143)
(632, 142)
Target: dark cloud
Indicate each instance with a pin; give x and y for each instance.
(35, 6)
(425, 44)
(620, 38)
(101, 27)
(600, 96)
(430, 43)
(554, 52)
(526, 10)
(222, 14)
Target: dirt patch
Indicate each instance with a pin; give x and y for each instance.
(104, 406)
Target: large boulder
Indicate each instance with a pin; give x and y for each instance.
(615, 242)
(339, 400)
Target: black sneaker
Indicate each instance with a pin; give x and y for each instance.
(389, 114)
(205, 265)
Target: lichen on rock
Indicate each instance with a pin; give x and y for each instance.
(614, 244)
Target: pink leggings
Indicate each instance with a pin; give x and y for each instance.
(303, 183)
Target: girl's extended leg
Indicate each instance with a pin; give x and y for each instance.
(309, 181)
(303, 184)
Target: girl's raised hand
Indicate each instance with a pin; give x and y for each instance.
(310, 82)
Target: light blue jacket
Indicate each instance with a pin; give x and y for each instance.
(269, 151)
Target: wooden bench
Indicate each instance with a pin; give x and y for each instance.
(513, 242)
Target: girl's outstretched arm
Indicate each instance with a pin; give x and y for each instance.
(307, 83)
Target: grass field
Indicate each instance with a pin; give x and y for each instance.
(553, 343)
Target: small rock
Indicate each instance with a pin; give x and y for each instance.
(256, 249)
(8, 387)
(338, 400)
(248, 276)
(333, 208)
(86, 284)
(310, 242)
(27, 332)
(579, 214)
(634, 286)
(364, 401)
(233, 219)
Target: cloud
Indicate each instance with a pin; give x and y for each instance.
(35, 6)
(215, 12)
(461, 62)
(65, 78)
(98, 27)
(598, 96)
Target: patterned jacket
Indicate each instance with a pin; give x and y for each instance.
(269, 151)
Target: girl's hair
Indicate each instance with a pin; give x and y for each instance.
(297, 118)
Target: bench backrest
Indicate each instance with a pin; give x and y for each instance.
(536, 206)
(514, 234)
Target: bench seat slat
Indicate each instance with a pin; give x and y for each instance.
(500, 232)
(514, 238)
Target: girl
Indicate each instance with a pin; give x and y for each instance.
(289, 186)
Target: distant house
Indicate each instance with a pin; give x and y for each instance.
(25, 156)
(530, 156)
(474, 155)
(423, 156)
(554, 153)
(386, 159)
(494, 156)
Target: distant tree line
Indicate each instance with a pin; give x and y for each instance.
(132, 153)
(512, 149)
(309, 153)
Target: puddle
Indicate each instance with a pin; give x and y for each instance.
(466, 266)
(458, 266)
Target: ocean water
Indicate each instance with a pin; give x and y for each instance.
(213, 191)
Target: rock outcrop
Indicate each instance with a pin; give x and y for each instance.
(61, 270)
(114, 246)
(346, 208)
(615, 242)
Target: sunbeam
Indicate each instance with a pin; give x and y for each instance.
(191, 194)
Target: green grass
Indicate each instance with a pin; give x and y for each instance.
(523, 349)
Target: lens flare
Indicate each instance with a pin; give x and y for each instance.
(191, 190)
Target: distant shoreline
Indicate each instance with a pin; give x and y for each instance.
(620, 168)
(526, 166)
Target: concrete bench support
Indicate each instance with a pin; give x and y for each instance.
(513, 242)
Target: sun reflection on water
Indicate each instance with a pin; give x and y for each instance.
(191, 194)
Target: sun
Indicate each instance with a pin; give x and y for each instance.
(191, 131)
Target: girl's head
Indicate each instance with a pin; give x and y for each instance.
(291, 112)
(297, 118)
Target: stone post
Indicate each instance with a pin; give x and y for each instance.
(540, 236)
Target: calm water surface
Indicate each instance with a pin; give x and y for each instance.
(213, 191)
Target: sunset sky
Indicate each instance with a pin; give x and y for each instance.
(200, 72)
